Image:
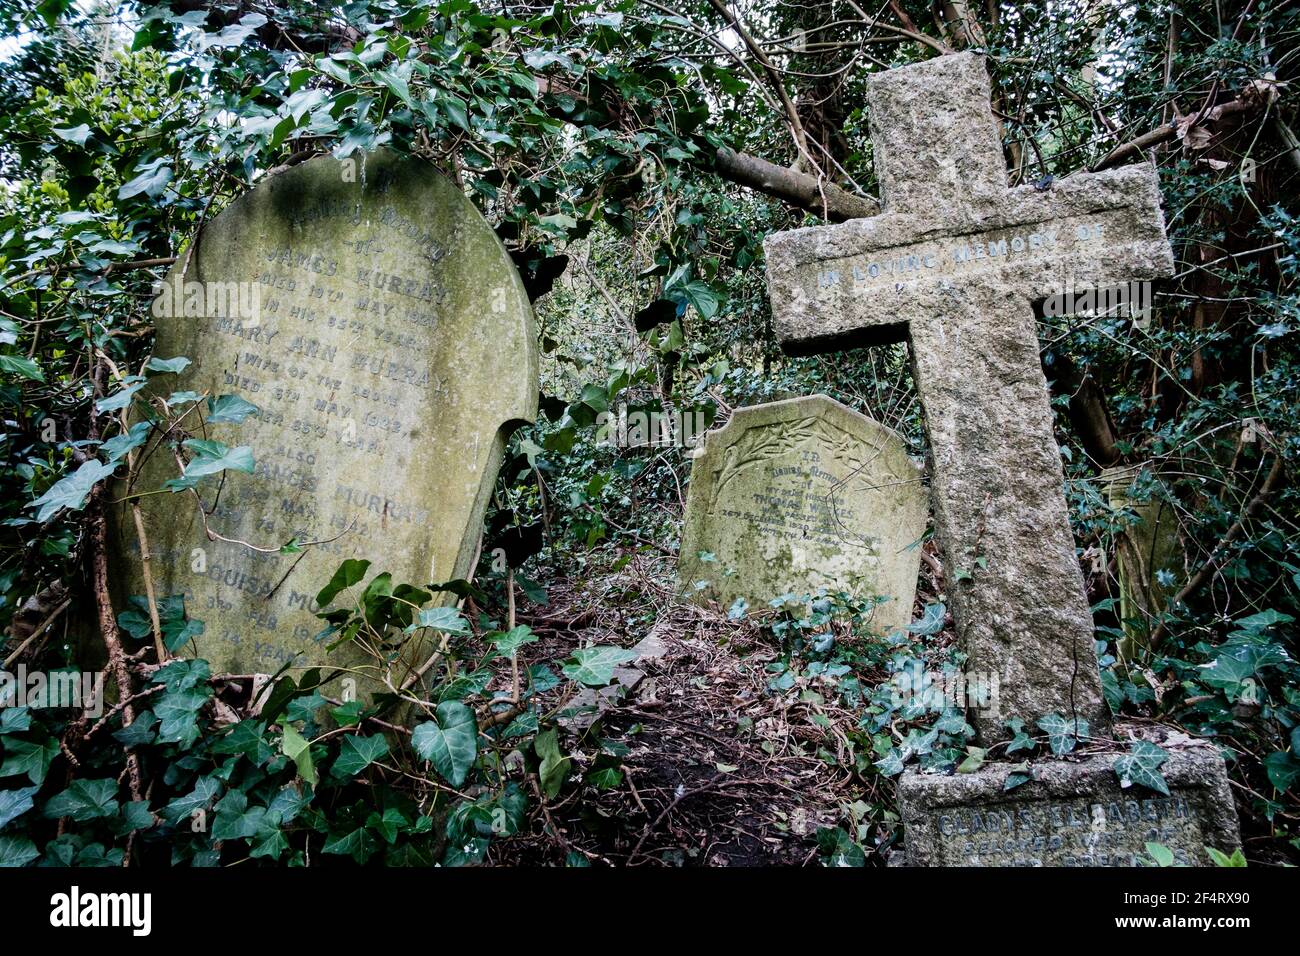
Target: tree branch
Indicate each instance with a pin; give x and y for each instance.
(773, 75)
(799, 189)
(1135, 147)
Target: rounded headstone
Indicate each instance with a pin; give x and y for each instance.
(376, 322)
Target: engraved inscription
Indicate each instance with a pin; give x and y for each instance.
(1100, 832)
(957, 256)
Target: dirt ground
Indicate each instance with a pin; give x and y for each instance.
(717, 769)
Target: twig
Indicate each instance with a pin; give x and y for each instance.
(45, 626)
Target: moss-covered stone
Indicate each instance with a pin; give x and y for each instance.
(390, 351)
(803, 494)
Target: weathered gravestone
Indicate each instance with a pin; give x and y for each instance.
(802, 494)
(953, 264)
(1146, 551)
(391, 350)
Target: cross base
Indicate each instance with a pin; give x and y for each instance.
(1070, 814)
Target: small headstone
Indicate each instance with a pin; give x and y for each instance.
(803, 494)
(1147, 554)
(391, 350)
(1070, 814)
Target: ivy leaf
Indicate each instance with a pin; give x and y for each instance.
(605, 779)
(953, 722)
(839, 848)
(119, 399)
(891, 765)
(139, 731)
(17, 851)
(182, 674)
(1236, 665)
(442, 618)
(214, 457)
(974, 760)
(272, 846)
(1282, 768)
(1021, 741)
(235, 819)
(555, 766)
(168, 366)
(135, 816)
(397, 81)
(14, 803)
(350, 572)
(1160, 853)
(17, 365)
(1219, 858)
(14, 720)
(235, 33)
(176, 634)
(246, 738)
(359, 844)
(349, 714)
(178, 716)
(1142, 765)
(84, 800)
(930, 623)
(705, 300)
(513, 639)
(23, 757)
(1020, 774)
(73, 134)
(449, 742)
(229, 410)
(116, 448)
(455, 111)
(151, 182)
(205, 789)
(297, 749)
(358, 753)
(1063, 734)
(594, 666)
(71, 492)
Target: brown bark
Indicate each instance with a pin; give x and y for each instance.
(1088, 413)
(1135, 147)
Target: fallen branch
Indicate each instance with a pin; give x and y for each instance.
(98, 540)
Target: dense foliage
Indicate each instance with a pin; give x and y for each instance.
(626, 153)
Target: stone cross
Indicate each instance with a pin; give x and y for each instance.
(953, 264)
